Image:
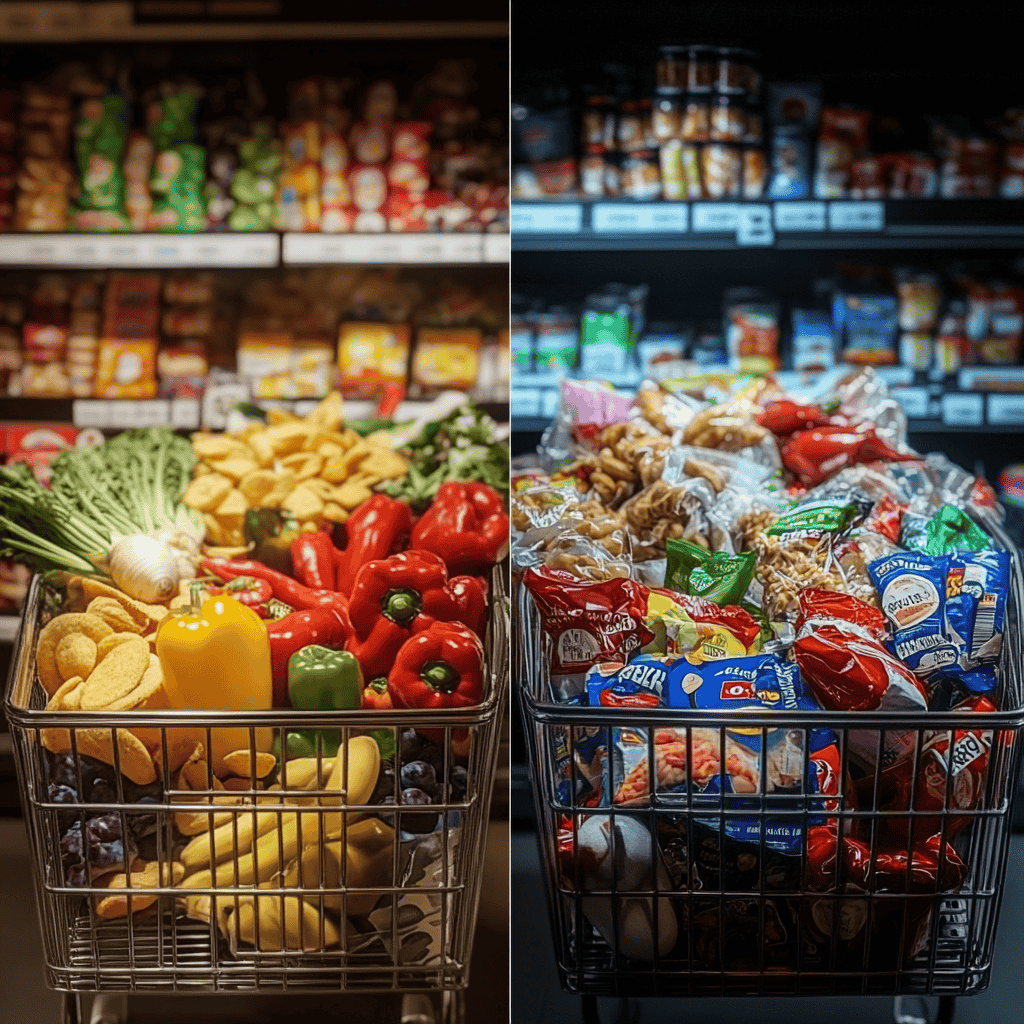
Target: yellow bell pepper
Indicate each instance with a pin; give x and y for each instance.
(217, 657)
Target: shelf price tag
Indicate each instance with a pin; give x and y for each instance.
(799, 216)
(185, 413)
(913, 400)
(546, 219)
(755, 225)
(1006, 410)
(962, 410)
(549, 403)
(218, 400)
(497, 248)
(894, 376)
(626, 218)
(718, 218)
(85, 412)
(856, 216)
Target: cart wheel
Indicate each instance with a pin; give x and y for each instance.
(924, 1009)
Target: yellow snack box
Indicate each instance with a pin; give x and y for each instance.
(446, 357)
(126, 368)
(371, 355)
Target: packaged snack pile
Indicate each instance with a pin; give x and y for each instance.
(769, 553)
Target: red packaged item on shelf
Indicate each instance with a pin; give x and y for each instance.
(969, 169)
(912, 176)
(556, 177)
(1011, 178)
(841, 657)
(842, 137)
(369, 143)
(867, 178)
(819, 452)
(1002, 344)
(588, 622)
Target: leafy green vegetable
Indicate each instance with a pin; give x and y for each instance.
(462, 446)
(128, 485)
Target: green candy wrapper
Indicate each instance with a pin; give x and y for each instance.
(951, 529)
(714, 575)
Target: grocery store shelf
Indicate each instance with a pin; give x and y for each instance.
(129, 250)
(897, 224)
(65, 22)
(390, 248)
(181, 413)
(226, 250)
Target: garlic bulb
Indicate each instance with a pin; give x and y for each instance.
(144, 568)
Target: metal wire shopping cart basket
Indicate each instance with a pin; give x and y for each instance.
(681, 908)
(405, 924)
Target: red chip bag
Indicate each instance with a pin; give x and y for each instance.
(587, 622)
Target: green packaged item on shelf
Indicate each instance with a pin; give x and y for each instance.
(950, 529)
(178, 168)
(100, 136)
(251, 218)
(251, 188)
(171, 119)
(714, 575)
(179, 213)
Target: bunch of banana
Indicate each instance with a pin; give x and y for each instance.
(255, 847)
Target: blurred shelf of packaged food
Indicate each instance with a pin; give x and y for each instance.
(65, 22)
(785, 224)
(66, 251)
(8, 629)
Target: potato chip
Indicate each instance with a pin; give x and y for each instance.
(152, 682)
(115, 615)
(256, 484)
(328, 414)
(207, 492)
(303, 464)
(142, 875)
(51, 635)
(117, 675)
(287, 438)
(181, 745)
(284, 486)
(352, 495)
(220, 551)
(334, 512)
(303, 503)
(139, 609)
(107, 644)
(136, 762)
(75, 656)
(65, 699)
(235, 468)
(335, 470)
(217, 446)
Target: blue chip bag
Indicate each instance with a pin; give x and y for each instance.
(977, 585)
(696, 767)
(912, 586)
(638, 683)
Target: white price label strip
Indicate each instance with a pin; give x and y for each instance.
(799, 216)
(625, 218)
(963, 410)
(755, 225)
(215, 250)
(546, 219)
(88, 413)
(185, 413)
(913, 400)
(497, 248)
(1006, 410)
(721, 218)
(382, 248)
(856, 216)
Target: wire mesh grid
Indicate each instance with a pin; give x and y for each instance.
(314, 877)
(795, 879)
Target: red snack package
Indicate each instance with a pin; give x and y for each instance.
(817, 453)
(740, 623)
(785, 417)
(587, 622)
(841, 657)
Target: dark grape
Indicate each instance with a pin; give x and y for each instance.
(459, 782)
(417, 823)
(410, 745)
(419, 775)
(105, 849)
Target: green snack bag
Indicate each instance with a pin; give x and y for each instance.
(951, 529)
(714, 575)
(816, 518)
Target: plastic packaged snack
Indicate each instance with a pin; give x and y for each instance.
(751, 324)
(714, 575)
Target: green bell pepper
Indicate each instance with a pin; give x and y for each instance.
(320, 679)
(302, 743)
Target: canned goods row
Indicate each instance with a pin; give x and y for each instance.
(677, 171)
(705, 69)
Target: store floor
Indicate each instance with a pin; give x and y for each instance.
(24, 998)
(538, 999)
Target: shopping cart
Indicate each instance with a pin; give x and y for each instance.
(403, 927)
(680, 908)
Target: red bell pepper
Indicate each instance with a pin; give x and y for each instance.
(376, 696)
(285, 588)
(442, 667)
(395, 598)
(785, 417)
(324, 626)
(313, 557)
(246, 590)
(466, 525)
(819, 452)
(378, 528)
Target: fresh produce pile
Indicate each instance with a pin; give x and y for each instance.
(781, 553)
(383, 609)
